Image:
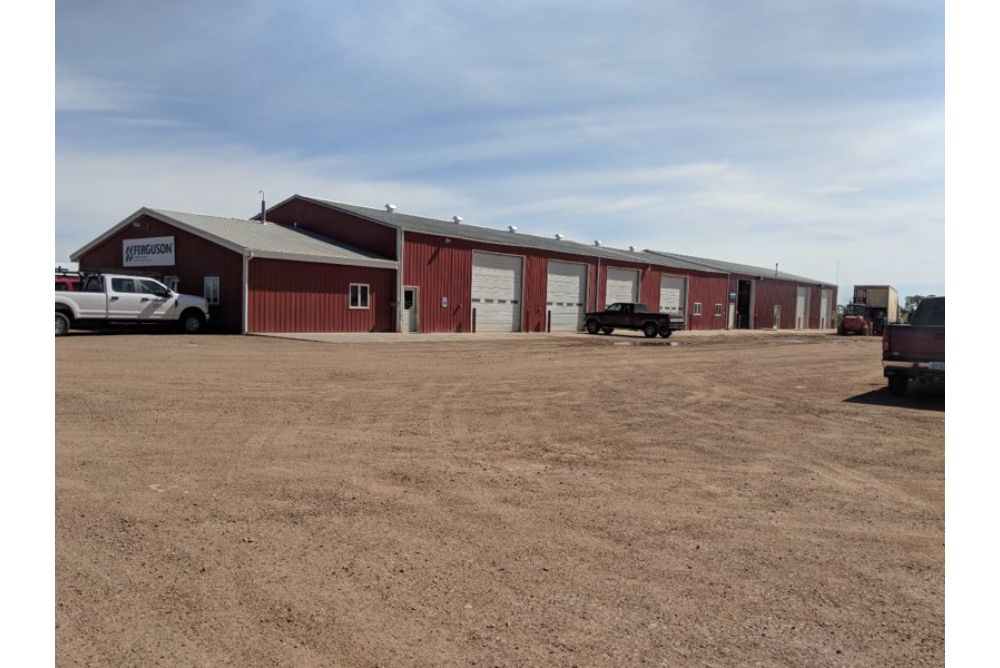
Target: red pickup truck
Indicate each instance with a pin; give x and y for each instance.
(915, 350)
(625, 315)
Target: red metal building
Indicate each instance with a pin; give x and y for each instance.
(317, 265)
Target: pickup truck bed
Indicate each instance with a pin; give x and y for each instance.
(916, 350)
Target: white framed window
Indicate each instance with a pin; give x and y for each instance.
(718, 310)
(172, 282)
(359, 295)
(212, 290)
(697, 309)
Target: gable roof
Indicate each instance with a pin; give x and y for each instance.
(737, 268)
(447, 228)
(263, 240)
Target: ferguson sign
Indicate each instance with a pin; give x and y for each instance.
(152, 251)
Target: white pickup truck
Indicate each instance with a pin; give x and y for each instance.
(120, 299)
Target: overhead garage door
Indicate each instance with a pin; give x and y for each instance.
(566, 295)
(800, 308)
(496, 292)
(623, 286)
(673, 296)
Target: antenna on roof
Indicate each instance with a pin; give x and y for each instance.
(457, 219)
(511, 228)
(263, 208)
(597, 242)
(558, 237)
(775, 269)
(390, 207)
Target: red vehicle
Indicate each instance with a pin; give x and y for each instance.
(67, 281)
(916, 350)
(862, 319)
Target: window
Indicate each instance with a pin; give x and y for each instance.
(172, 282)
(148, 287)
(122, 285)
(718, 309)
(359, 295)
(613, 308)
(697, 309)
(641, 308)
(61, 286)
(211, 292)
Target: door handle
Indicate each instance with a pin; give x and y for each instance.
(113, 299)
(144, 299)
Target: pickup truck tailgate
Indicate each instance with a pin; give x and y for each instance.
(917, 343)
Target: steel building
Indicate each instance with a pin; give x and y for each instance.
(315, 265)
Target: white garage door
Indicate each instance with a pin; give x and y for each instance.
(824, 308)
(800, 308)
(673, 296)
(623, 286)
(496, 292)
(566, 295)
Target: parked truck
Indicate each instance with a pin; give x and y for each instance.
(872, 309)
(117, 299)
(916, 350)
(626, 315)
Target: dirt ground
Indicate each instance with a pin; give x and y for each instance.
(251, 501)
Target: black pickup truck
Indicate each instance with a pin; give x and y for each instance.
(624, 315)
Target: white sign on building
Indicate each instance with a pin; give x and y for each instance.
(149, 252)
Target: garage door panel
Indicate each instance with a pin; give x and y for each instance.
(496, 292)
(566, 295)
(622, 286)
(673, 296)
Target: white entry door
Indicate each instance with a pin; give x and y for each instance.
(496, 292)
(673, 296)
(800, 307)
(410, 307)
(622, 286)
(566, 295)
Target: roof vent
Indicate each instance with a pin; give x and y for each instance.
(558, 237)
(511, 228)
(597, 242)
(390, 207)
(458, 219)
(631, 249)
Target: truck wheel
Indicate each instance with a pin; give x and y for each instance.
(897, 385)
(62, 324)
(865, 331)
(667, 333)
(192, 322)
(593, 327)
(607, 330)
(650, 330)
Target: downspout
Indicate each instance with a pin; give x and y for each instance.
(247, 256)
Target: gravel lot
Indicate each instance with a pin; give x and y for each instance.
(554, 501)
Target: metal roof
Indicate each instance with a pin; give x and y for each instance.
(263, 240)
(737, 268)
(447, 228)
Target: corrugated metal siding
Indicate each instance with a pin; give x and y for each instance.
(194, 258)
(709, 289)
(290, 296)
(649, 289)
(337, 225)
(441, 270)
(768, 293)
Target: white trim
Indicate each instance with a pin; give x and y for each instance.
(246, 292)
(717, 313)
(416, 304)
(696, 309)
(218, 290)
(399, 280)
(368, 296)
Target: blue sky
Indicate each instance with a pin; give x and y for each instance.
(770, 131)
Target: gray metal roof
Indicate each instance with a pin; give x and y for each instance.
(447, 228)
(264, 240)
(737, 268)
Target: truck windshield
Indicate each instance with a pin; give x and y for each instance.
(854, 309)
(930, 312)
